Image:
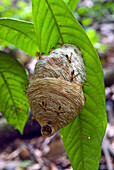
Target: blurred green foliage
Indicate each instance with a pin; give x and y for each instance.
(90, 13)
(19, 9)
(95, 39)
(97, 10)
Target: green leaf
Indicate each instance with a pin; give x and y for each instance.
(54, 22)
(13, 100)
(19, 33)
(72, 4)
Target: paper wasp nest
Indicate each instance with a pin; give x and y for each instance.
(55, 93)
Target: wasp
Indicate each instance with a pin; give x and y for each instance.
(51, 50)
(42, 54)
(43, 105)
(26, 91)
(82, 85)
(72, 76)
(59, 110)
(60, 44)
(69, 58)
(39, 55)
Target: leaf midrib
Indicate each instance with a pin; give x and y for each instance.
(19, 32)
(10, 95)
(55, 21)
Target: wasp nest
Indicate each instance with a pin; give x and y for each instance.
(55, 93)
